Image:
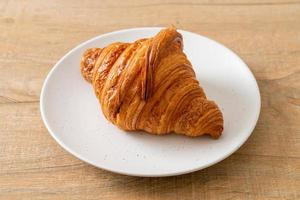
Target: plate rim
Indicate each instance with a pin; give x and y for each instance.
(180, 172)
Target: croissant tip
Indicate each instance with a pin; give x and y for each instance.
(88, 62)
(217, 134)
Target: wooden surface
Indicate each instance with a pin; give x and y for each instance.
(34, 34)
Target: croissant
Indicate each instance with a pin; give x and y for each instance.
(150, 85)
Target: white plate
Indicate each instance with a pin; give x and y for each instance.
(72, 114)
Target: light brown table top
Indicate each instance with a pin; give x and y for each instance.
(34, 34)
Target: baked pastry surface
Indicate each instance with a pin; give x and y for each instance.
(150, 85)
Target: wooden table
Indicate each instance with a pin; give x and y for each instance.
(34, 34)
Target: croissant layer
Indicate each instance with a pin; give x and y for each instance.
(150, 85)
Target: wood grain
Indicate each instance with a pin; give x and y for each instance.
(35, 34)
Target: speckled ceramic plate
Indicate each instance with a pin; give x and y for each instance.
(72, 114)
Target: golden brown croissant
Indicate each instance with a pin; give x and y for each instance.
(150, 85)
